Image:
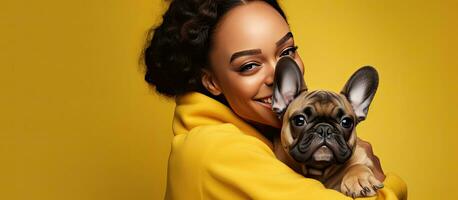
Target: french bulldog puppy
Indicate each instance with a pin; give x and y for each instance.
(318, 137)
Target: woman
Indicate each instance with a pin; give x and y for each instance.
(217, 58)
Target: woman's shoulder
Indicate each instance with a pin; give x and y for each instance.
(206, 142)
(216, 136)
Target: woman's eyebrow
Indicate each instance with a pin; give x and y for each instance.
(258, 51)
(284, 38)
(245, 53)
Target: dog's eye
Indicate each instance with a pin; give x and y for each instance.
(299, 120)
(346, 122)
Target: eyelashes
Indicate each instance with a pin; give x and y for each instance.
(290, 51)
(248, 66)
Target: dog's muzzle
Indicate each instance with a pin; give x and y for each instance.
(321, 138)
(324, 130)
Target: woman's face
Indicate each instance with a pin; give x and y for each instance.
(246, 46)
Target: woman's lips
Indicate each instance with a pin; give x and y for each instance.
(269, 106)
(266, 102)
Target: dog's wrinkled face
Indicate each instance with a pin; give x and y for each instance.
(319, 127)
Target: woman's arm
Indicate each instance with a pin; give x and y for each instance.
(239, 166)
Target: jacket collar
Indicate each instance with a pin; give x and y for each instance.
(196, 109)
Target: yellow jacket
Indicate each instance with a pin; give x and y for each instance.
(216, 155)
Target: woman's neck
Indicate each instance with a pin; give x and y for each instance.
(268, 131)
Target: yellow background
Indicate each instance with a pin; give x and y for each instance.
(78, 122)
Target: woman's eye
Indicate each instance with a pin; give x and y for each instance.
(248, 67)
(289, 51)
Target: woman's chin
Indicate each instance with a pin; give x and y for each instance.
(260, 115)
(267, 116)
(277, 124)
(272, 120)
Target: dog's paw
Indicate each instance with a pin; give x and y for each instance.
(360, 183)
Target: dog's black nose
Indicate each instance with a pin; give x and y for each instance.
(324, 130)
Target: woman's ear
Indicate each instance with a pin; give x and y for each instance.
(210, 83)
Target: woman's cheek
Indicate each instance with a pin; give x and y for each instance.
(250, 85)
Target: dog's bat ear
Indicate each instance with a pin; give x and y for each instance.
(288, 83)
(360, 90)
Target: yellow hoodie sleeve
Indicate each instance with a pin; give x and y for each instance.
(238, 166)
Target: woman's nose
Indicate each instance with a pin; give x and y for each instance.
(270, 74)
(270, 82)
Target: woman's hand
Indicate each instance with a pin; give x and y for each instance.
(378, 172)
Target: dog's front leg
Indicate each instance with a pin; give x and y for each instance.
(359, 181)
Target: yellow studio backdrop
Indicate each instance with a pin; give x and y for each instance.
(78, 122)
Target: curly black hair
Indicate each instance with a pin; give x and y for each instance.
(177, 50)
